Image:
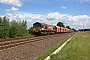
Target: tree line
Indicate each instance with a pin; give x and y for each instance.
(60, 24)
(84, 29)
(12, 29)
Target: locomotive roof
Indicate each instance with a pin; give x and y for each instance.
(57, 26)
(43, 24)
(50, 25)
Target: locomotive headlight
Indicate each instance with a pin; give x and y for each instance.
(42, 28)
(33, 29)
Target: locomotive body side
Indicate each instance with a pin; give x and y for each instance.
(43, 29)
(61, 28)
(57, 29)
(64, 30)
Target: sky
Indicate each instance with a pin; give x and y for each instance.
(73, 13)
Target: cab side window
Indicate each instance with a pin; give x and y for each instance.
(45, 27)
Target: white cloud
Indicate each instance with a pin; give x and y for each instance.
(78, 18)
(77, 21)
(21, 16)
(12, 9)
(63, 7)
(9, 14)
(53, 18)
(54, 14)
(84, 1)
(12, 2)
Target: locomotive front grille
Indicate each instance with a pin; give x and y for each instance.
(37, 29)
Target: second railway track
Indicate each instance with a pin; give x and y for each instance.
(5, 44)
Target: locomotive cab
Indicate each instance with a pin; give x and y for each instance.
(37, 28)
(37, 25)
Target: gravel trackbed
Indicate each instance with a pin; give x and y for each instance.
(31, 51)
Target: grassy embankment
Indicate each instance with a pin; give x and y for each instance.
(43, 56)
(78, 48)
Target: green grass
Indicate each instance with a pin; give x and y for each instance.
(43, 56)
(78, 48)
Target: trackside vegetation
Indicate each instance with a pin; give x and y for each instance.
(50, 51)
(78, 48)
(13, 28)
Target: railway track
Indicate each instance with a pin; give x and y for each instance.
(9, 43)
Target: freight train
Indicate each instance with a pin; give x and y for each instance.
(45, 29)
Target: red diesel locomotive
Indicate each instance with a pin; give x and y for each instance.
(45, 29)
